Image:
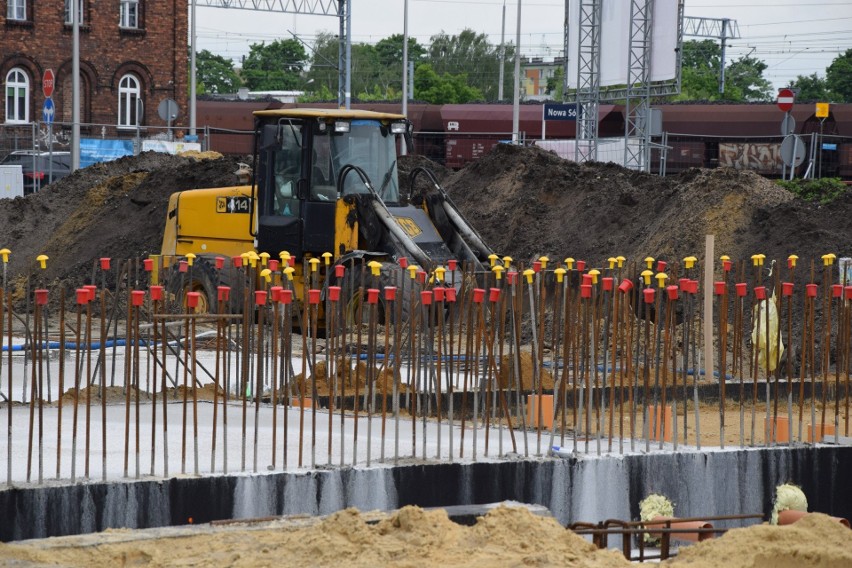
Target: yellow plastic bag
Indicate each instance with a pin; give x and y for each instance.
(764, 309)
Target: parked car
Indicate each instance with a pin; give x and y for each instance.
(39, 168)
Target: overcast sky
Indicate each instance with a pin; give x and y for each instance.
(793, 37)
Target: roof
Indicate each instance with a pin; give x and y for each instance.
(330, 113)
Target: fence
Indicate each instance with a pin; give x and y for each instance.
(444, 365)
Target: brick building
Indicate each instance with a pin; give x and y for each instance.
(130, 50)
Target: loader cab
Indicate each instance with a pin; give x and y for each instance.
(300, 156)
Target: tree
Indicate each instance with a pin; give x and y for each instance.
(745, 77)
(701, 61)
(810, 88)
(443, 89)
(470, 54)
(275, 67)
(215, 74)
(838, 77)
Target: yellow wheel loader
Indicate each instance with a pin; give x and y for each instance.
(323, 181)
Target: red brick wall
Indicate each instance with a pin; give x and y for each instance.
(156, 53)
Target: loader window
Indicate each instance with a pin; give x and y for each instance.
(372, 147)
(287, 169)
(323, 186)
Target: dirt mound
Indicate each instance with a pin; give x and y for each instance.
(114, 209)
(527, 201)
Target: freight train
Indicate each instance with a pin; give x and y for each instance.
(743, 136)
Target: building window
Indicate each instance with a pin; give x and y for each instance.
(17, 96)
(129, 14)
(68, 12)
(17, 10)
(129, 102)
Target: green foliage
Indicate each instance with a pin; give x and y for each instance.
(443, 89)
(322, 94)
(275, 67)
(471, 55)
(823, 190)
(215, 74)
(745, 75)
(838, 77)
(556, 84)
(810, 88)
(744, 79)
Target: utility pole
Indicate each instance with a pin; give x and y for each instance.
(516, 100)
(502, 53)
(75, 86)
(404, 146)
(192, 71)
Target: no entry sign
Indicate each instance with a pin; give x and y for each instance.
(785, 100)
(47, 82)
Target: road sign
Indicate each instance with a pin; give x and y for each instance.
(821, 110)
(788, 124)
(559, 111)
(47, 83)
(48, 111)
(785, 100)
(168, 110)
(793, 151)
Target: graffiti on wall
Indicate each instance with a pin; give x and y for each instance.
(761, 157)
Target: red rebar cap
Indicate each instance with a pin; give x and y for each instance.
(450, 294)
(581, 265)
(339, 270)
(478, 295)
(148, 264)
(726, 265)
(219, 262)
(672, 291)
(373, 296)
(273, 264)
(787, 289)
(608, 283)
(649, 295)
(333, 292)
(836, 290)
(692, 287)
(452, 264)
(183, 266)
(790, 262)
(192, 299)
(760, 292)
(105, 263)
(421, 276)
(260, 297)
(403, 262)
(93, 291)
(82, 296)
(683, 284)
(292, 261)
(847, 292)
(438, 291)
(390, 293)
(720, 288)
(512, 277)
(811, 290)
(585, 290)
(662, 265)
(224, 293)
(156, 293)
(274, 292)
(536, 266)
(285, 297)
(237, 261)
(139, 297)
(587, 280)
(494, 295)
(314, 296)
(742, 289)
(625, 286)
(426, 297)
(41, 297)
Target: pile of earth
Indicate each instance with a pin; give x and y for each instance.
(523, 201)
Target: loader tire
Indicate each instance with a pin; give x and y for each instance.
(200, 278)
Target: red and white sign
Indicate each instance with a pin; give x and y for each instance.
(47, 83)
(785, 100)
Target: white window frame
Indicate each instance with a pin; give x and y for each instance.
(129, 14)
(68, 11)
(18, 81)
(129, 93)
(16, 10)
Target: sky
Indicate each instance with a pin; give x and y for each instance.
(793, 37)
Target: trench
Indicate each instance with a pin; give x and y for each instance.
(592, 489)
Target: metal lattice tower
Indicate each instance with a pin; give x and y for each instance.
(722, 29)
(339, 8)
(588, 80)
(638, 101)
